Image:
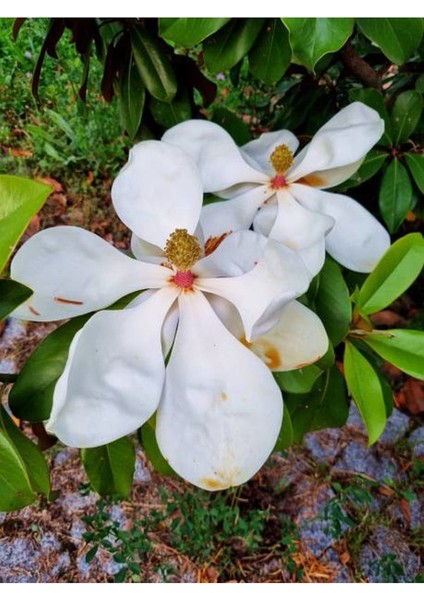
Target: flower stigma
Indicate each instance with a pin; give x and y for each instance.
(183, 251)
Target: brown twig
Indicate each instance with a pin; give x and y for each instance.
(359, 67)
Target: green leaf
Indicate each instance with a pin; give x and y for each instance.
(33, 459)
(373, 162)
(110, 468)
(395, 197)
(364, 386)
(406, 115)
(153, 65)
(148, 440)
(312, 38)
(375, 99)
(403, 348)
(231, 43)
(299, 381)
(324, 406)
(285, 437)
(12, 294)
(237, 128)
(398, 39)
(271, 54)
(394, 273)
(189, 32)
(15, 487)
(21, 199)
(176, 111)
(328, 360)
(415, 164)
(132, 95)
(332, 302)
(419, 84)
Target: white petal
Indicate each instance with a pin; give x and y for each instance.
(145, 251)
(219, 159)
(73, 272)
(357, 240)
(260, 150)
(332, 177)
(314, 257)
(221, 412)
(159, 190)
(297, 340)
(114, 377)
(233, 215)
(238, 253)
(344, 140)
(278, 277)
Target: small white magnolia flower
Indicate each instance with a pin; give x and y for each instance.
(281, 194)
(219, 408)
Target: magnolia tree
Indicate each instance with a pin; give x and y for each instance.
(242, 315)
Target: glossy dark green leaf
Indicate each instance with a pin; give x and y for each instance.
(189, 32)
(326, 405)
(328, 360)
(403, 348)
(332, 302)
(312, 38)
(375, 99)
(153, 65)
(231, 43)
(15, 487)
(395, 197)
(270, 56)
(20, 200)
(395, 272)
(33, 459)
(110, 468)
(151, 448)
(397, 38)
(237, 128)
(419, 84)
(131, 98)
(285, 437)
(12, 294)
(406, 114)
(415, 163)
(169, 114)
(365, 388)
(299, 381)
(372, 164)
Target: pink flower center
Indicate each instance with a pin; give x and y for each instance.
(278, 182)
(184, 279)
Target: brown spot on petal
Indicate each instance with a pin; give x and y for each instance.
(33, 310)
(312, 180)
(272, 358)
(66, 301)
(224, 396)
(212, 243)
(212, 484)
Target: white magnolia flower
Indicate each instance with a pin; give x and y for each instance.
(282, 194)
(219, 408)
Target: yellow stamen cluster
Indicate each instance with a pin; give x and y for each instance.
(281, 158)
(182, 249)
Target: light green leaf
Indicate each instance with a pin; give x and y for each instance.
(132, 94)
(395, 272)
(406, 114)
(15, 487)
(403, 348)
(397, 38)
(415, 164)
(148, 441)
(395, 197)
(153, 65)
(189, 32)
(375, 99)
(332, 302)
(21, 199)
(176, 111)
(365, 388)
(270, 56)
(299, 381)
(110, 468)
(231, 43)
(312, 38)
(12, 294)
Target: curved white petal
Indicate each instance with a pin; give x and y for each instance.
(233, 215)
(145, 251)
(219, 159)
(159, 190)
(238, 253)
(314, 257)
(114, 376)
(332, 177)
(260, 150)
(278, 277)
(344, 140)
(221, 411)
(73, 272)
(298, 339)
(357, 240)
(236, 190)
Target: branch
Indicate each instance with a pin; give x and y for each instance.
(359, 67)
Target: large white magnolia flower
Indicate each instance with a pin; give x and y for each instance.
(281, 194)
(219, 409)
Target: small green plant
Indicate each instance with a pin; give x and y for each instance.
(388, 568)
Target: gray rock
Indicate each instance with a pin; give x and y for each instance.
(141, 473)
(360, 459)
(77, 530)
(73, 502)
(323, 445)
(396, 427)
(49, 543)
(18, 561)
(63, 456)
(355, 420)
(416, 440)
(62, 564)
